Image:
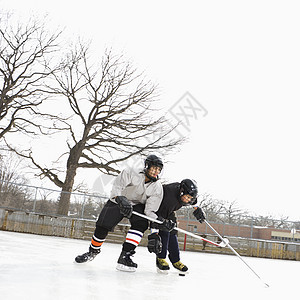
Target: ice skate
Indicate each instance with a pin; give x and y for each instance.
(162, 266)
(183, 269)
(88, 256)
(125, 263)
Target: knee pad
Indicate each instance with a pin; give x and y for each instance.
(140, 225)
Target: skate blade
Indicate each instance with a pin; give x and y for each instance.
(79, 263)
(83, 262)
(123, 268)
(166, 272)
(183, 272)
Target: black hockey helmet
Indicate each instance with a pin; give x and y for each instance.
(152, 160)
(189, 187)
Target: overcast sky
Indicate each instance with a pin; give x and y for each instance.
(229, 68)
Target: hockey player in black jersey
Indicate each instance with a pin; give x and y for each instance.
(165, 241)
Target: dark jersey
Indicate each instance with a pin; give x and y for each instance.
(171, 201)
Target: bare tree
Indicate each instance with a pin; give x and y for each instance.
(221, 210)
(13, 192)
(26, 50)
(211, 205)
(113, 118)
(213, 208)
(232, 212)
(271, 221)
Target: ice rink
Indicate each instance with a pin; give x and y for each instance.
(41, 267)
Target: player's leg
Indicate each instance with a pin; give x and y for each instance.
(109, 217)
(133, 238)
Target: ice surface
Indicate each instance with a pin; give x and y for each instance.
(41, 267)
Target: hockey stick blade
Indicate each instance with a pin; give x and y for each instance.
(224, 243)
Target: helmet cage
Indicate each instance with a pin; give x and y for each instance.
(189, 187)
(152, 160)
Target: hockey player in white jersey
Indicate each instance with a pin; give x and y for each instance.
(138, 190)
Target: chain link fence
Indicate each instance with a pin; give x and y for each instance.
(44, 201)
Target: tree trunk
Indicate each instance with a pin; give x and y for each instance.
(65, 195)
(72, 165)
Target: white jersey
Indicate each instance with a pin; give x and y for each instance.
(131, 184)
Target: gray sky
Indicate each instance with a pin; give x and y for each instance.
(238, 60)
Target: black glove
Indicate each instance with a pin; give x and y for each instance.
(154, 243)
(199, 214)
(166, 225)
(124, 205)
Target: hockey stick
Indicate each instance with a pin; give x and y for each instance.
(222, 239)
(222, 244)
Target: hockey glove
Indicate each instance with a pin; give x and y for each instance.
(124, 205)
(154, 243)
(166, 225)
(199, 214)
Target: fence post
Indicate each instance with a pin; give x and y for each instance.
(251, 234)
(184, 243)
(83, 204)
(34, 203)
(239, 230)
